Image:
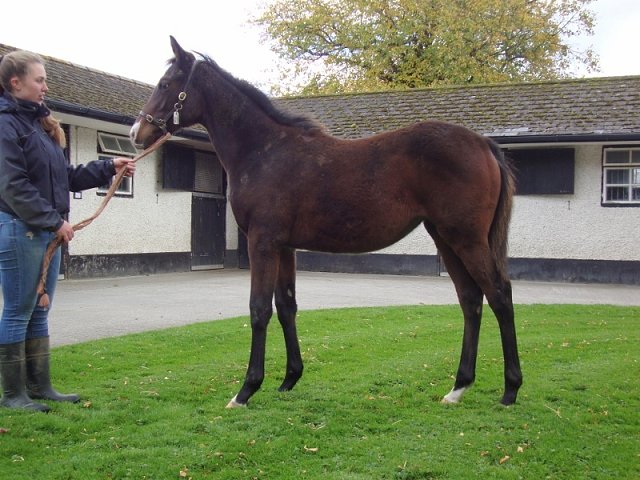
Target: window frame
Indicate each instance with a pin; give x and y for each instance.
(629, 166)
(542, 170)
(125, 147)
(125, 189)
(106, 152)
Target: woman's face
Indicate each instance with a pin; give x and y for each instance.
(33, 86)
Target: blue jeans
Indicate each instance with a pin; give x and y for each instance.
(22, 249)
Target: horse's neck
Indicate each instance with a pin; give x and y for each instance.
(236, 124)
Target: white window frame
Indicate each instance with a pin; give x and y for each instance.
(632, 185)
(121, 147)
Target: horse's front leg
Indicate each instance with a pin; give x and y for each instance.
(264, 268)
(287, 308)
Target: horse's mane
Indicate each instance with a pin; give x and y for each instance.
(262, 101)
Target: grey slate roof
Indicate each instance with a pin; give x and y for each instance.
(585, 107)
(582, 108)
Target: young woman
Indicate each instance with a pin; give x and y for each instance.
(35, 181)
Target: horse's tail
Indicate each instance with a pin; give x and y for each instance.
(499, 233)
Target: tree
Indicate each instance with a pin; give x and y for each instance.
(357, 45)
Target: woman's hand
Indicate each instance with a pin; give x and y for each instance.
(128, 163)
(65, 232)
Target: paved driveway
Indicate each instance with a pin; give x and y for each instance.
(96, 308)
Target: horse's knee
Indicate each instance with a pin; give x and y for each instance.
(260, 314)
(285, 300)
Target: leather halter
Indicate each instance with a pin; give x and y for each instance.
(161, 123)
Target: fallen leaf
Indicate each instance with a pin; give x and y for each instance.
(310, 450)
(184, 472)
(3, 430)
(504, 459)
(87, 405)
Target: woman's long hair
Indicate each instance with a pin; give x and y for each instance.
(16, 64)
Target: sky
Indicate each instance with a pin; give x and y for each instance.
(131, 38)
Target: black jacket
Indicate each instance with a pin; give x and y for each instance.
(35, 178)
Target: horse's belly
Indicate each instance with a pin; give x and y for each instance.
(354, 236)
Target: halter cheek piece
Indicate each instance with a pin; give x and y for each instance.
(161, 123)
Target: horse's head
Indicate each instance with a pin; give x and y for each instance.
(168, 109)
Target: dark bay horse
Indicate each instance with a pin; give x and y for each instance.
(292, 185)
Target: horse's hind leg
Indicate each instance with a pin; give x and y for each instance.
(470, 299)
(285, 298)
(481, 265)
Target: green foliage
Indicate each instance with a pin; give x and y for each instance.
(358, 45)
(367, 407)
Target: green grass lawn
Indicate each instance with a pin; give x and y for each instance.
(367, 407)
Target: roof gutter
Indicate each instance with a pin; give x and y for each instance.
(75, 109)
(580, 138)
(120, 119)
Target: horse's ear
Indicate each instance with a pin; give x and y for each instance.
(184, 59)
(175, 46)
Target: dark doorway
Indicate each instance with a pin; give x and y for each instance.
(208, 216)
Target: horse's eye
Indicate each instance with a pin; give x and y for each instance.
(164, 85)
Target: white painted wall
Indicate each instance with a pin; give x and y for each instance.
(575, 226)
(561, 226)
(153, 221)
(417, 242)
(231, 225)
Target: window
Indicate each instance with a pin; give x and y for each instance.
(621, 176)
(125, 188)
(121, 147)
(192, 170)
(209, 176)
(543, 171)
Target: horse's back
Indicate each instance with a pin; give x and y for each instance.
(433, 160)
(365, 194)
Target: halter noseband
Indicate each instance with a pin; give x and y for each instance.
(161, 123)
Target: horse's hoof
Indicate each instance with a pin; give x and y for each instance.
(454, 396)
(235, 404)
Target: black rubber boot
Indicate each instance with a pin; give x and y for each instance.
(14, 375)
(38, 376)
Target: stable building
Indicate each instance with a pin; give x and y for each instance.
(575, 143)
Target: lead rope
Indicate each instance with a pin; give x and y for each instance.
(55, 243)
